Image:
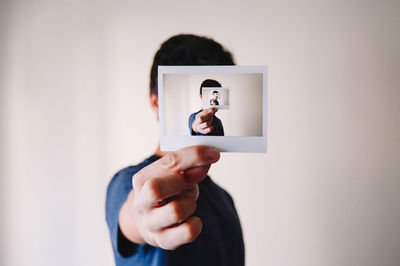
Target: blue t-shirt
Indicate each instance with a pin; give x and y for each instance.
(220, 243)
(218, 129)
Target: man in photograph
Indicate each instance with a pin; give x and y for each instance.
(214, 99)
(204, 122)
(166, 210)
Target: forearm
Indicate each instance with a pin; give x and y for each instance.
(127, 222)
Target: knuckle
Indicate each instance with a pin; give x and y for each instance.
(199, 151)
(193, 207)
(177, 214)
(190, 232)
(164, 243)
(142, 209)
(152, 227)
(190, 209)
(154, 188)
(161, 241)
(136, 179)
(147, 223)
(139, 205)
(171, 161)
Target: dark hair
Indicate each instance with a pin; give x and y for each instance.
(187, 49)
(209, 83)
(215, 92)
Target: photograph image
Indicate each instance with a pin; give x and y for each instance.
(226, 105)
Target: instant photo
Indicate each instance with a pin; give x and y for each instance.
(220, 106)
(215, 98)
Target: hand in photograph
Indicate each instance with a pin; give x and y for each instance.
(203, 121)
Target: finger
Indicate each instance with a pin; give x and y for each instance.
(191, 192)
(211, 112)
(202, 113)
(207, 130)
(174, 237)
(171, 214)
(159, 188)
(196, 174)
(205, 116)
(205, 124)
(177, 161)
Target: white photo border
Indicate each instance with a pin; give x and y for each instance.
(222, 143)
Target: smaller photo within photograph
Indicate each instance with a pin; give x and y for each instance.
(215, 97)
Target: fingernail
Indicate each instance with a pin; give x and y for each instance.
(213, 154)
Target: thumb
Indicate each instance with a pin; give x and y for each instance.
(196, 174)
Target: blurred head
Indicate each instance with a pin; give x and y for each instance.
(215, 94)
(186, 49)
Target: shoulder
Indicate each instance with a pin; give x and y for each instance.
(192, 117)
(123, 178)
(121, 183)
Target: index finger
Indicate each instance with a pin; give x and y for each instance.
(177, 161)
(211, 110)
(204, 115)
(207, 114)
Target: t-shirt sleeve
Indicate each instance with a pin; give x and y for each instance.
(117, 192)
(191, 120)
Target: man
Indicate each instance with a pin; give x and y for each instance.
(214, 99)
(174, 214)
(204, 122)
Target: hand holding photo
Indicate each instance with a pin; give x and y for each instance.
(220, 106)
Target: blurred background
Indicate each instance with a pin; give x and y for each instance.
(74, 81)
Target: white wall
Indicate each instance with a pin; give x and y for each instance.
(182, 98)
(74, 80)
